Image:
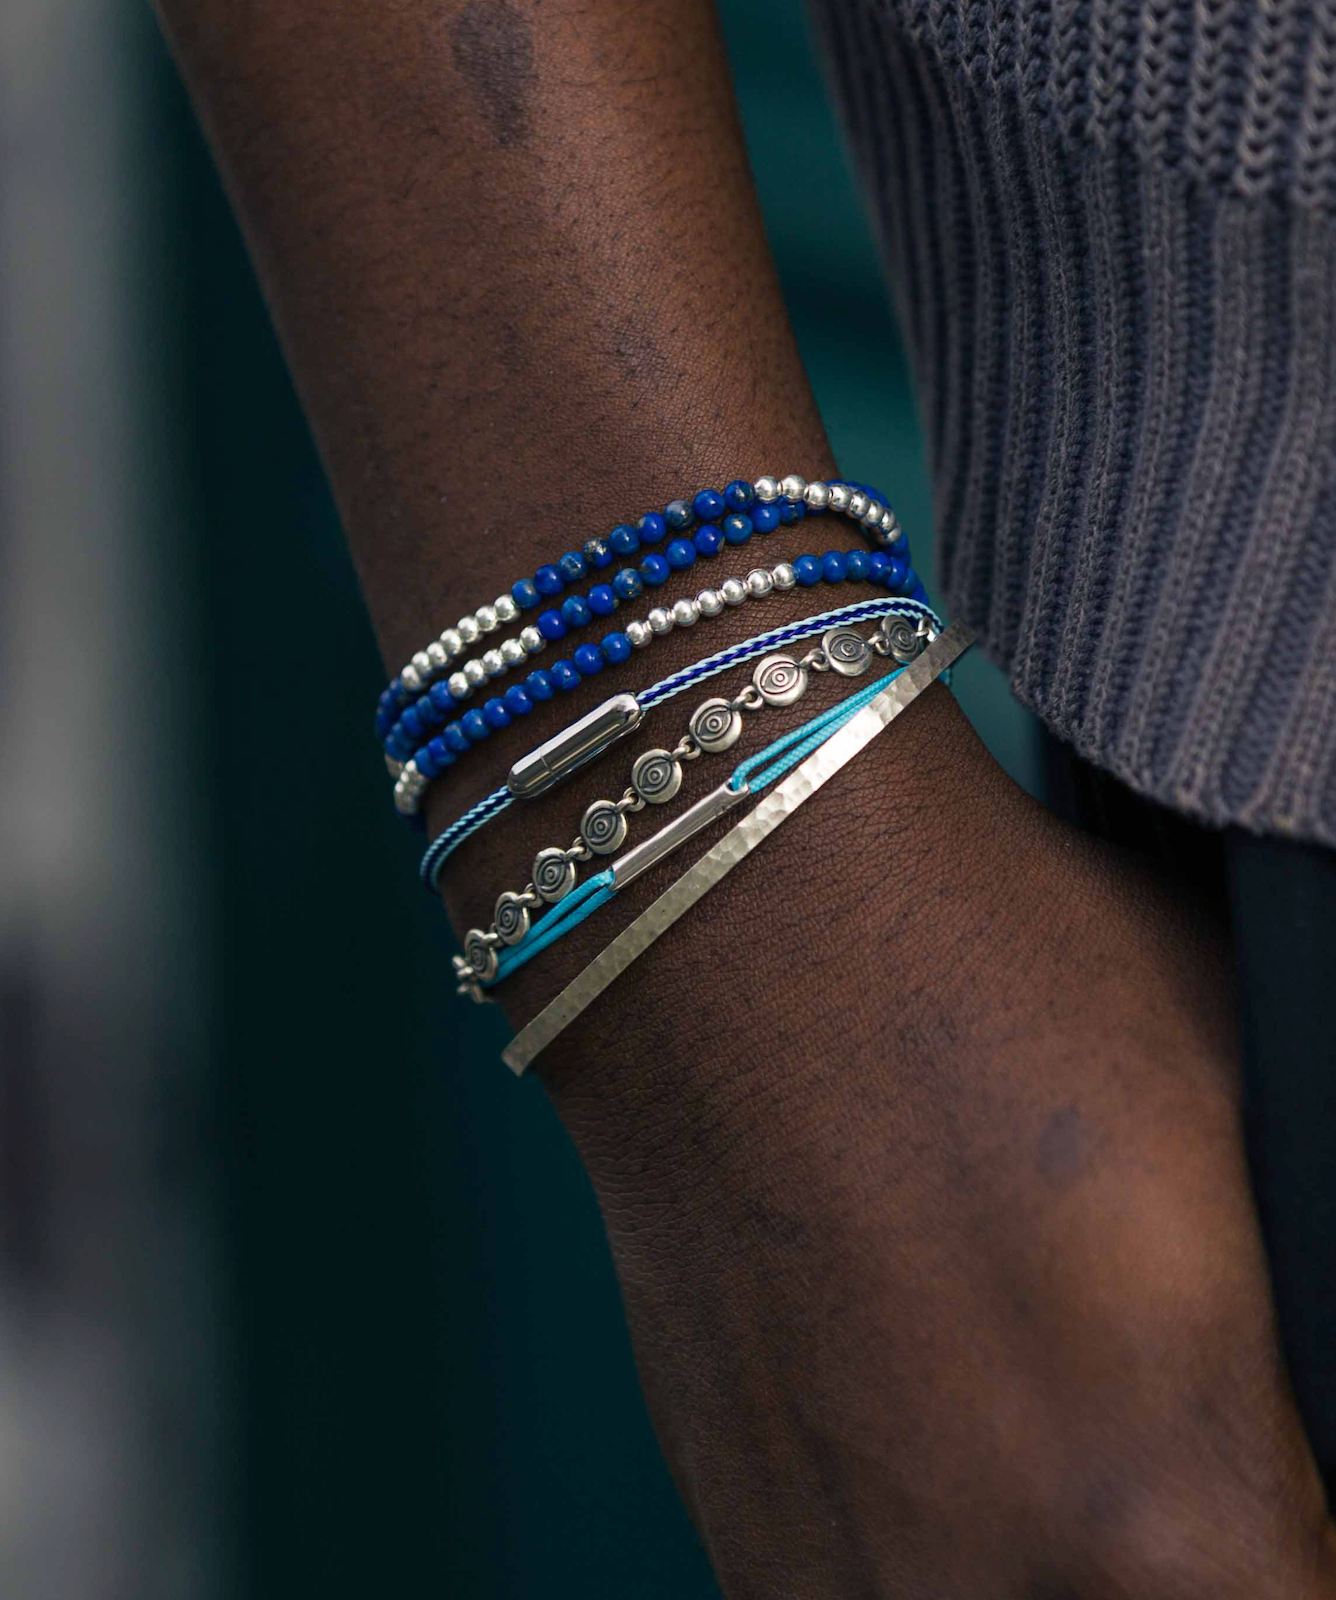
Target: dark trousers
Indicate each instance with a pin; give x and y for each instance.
(1280, 900)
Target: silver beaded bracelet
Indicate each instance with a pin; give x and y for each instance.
(778, 681)
(443, 653)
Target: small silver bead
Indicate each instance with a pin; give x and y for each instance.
(422, 661)
(468, 630)
(475, 672)
(411, 677)
(759, 583)
(493, 664)
(817, 495)
(766, 489)
(858, 503)
(840, 495)
(639, 634)
(784, 575)
(512, 652)
(437, 656)
(486, 618)
(685, 613)
(404, 803)
(505, 608)
(710, 602)
(451, 643)
(532, 640)
(890, 523)
(872, 516)
(393, 767)
(734, 591)
(660, 621)
(793, 487)
(459, 686)
(409, 773)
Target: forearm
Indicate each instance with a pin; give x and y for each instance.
(925, 1050)
(519, 270)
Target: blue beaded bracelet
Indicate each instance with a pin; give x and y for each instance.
(458, 735)
(743, 509)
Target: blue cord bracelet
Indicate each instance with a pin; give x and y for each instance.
(492, 805)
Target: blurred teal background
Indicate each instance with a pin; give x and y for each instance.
(360, 1315)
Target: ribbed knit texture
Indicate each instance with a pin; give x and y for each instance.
(1112, 230)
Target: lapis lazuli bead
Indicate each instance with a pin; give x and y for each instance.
(411, 723)
(548, 580)
(575, 611)
(791, 511)
(495, 712)
(455, 737)
(588, 660)
(653, 526)
(525, 594)
(909, 582)
(834, 567)
(602, 600)
(807, 570)
(598, 553)
(551, 626)
(765, 518)
(707, 539)
(441, 753)
(426, 762)
(894, 576)
(616, 647)
(539, 684)
(708, 505)
(858, 565)
(624, 540)
(573, 566)
(628, 584)
(441, 699)
(517, 700)
(654, 569)
(877, 564)
(680, 554)
(899, 547)
(677, 514)
(739, 494)
(564, 675)
(384, 723)
(738, 527)
(475, 725)
(399, 746)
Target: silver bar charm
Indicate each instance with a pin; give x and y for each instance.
(650, 851)
(569, 750)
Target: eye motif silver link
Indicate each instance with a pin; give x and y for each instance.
(553, 874)
(780, 680)
(603, 827)
(715, 726)
(480, 954)
(847, 652)
(511, 917)
(902, 640)
(656, 776)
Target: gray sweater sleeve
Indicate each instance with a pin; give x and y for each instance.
(1111, 227)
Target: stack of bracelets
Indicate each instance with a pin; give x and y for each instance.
(425, 724)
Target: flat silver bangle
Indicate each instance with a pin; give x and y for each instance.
(800, 785)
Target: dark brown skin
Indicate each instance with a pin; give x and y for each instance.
(917, 1141)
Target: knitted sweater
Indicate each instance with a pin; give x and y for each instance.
(1112, 229)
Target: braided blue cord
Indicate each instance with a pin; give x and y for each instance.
(445, 844)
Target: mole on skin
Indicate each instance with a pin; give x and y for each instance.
(492, 44)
